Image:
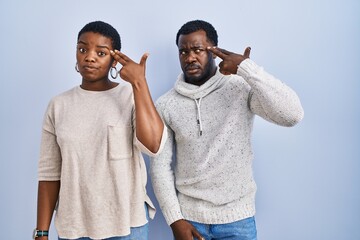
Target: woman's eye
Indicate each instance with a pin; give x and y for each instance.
(101, 54)
(82, 50)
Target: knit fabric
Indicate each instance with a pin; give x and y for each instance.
(89, 144)
(209, 132)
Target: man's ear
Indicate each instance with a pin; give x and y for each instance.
(214, 55)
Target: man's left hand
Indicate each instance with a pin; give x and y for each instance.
(230, 60)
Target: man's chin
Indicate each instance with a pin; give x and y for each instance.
(196, 80)
(191, 78)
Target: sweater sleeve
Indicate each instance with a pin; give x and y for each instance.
(49, 167)
(163, 180)
(270, 98)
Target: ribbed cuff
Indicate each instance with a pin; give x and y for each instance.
(172, 216)
(247, 67)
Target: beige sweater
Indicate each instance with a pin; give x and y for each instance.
(88, 143)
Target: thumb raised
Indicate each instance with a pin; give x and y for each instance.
(143, 58)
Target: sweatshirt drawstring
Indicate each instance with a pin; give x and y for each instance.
(198, 102)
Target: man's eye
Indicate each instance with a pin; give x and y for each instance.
(183, 53)
(198, 50)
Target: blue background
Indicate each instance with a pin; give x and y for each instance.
(308, 176)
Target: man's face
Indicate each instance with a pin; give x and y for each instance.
(197, 63)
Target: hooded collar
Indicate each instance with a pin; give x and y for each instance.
(195, 92)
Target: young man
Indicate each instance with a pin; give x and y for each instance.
(209, 114)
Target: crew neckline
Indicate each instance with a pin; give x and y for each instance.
(84, 91)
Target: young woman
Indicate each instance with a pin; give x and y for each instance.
(91, 169)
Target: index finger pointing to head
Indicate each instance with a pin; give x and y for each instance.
(221, 53)
(226, 52)
(216, 51)
(120, 57)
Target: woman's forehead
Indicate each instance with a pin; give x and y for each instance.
(94, 38)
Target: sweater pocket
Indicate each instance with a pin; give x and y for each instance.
(120, 142)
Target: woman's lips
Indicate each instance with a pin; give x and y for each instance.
(90, 68)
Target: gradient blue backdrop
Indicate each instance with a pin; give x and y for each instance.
(308, 176)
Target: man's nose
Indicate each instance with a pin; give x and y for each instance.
(191, 56)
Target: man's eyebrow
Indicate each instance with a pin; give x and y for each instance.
(191, 48)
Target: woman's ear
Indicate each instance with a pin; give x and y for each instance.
(114, 63)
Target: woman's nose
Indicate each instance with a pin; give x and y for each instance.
(90, 57)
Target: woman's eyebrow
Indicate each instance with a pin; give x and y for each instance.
(102, 46)
(98, 46)
(82, 42)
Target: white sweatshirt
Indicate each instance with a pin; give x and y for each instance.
(89, 144)
(209, 132)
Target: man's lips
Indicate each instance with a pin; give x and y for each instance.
(192, 68)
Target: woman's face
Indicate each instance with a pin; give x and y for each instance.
(93, 56)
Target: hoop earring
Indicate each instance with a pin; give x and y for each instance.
(116, 72)
(76, 67)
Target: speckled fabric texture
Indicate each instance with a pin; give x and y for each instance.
(209, 140)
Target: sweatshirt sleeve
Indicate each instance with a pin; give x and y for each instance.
(163, 180)
(270, 98)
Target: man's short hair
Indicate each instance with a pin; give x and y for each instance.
(196, 25)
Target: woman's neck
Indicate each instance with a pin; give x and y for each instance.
(101, 85)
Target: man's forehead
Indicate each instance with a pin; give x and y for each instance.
(193, 39)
